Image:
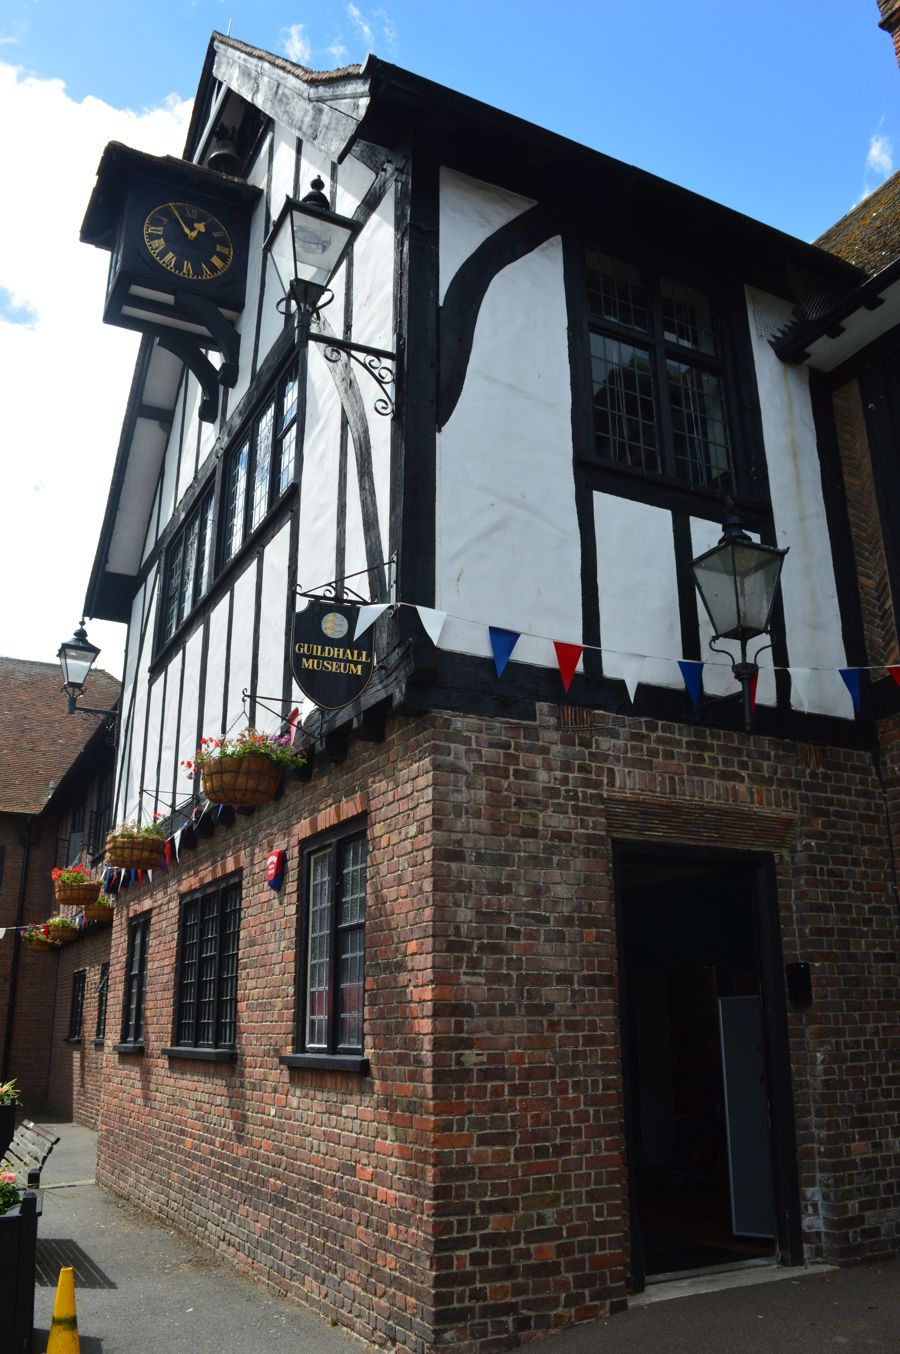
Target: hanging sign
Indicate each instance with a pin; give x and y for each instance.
(330, 667)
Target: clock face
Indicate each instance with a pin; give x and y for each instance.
(188, 241)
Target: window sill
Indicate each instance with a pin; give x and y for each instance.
(128, 1048)
(73, 1039)
(206, 1055)
(98, 1043)
(327, 1062)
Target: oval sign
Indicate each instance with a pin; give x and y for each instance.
(329, 667)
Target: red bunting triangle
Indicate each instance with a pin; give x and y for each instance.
(567, 656)
(895, 673)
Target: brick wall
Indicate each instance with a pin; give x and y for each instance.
(474, 1187)
(868, 544)
(35, 984)
(76, 1069)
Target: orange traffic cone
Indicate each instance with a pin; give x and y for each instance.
(64, 1326)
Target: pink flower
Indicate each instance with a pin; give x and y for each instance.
(8, 1177)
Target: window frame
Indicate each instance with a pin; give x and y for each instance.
(135, 986)
(202, 519)
(102, 994)
(333, 1053)
(731, 365)
(279, 470)
(221, 895)
(76, 1006)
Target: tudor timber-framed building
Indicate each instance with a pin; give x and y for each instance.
(461, 1078)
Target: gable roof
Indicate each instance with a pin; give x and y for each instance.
(39, 741)
(869, 235)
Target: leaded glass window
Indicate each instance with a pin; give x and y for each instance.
(334, 946)
(658, 376)
(135, 980)
(206, 982)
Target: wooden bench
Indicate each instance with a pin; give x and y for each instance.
(28, 1152)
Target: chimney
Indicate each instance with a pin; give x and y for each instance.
(890, 22)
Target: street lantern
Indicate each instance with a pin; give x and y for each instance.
(76, 658)
(307, 244)
(737, 581)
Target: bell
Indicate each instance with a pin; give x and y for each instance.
(224, 154)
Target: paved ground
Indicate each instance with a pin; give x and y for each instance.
(144, 1288)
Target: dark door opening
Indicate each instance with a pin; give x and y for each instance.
(697, 1067)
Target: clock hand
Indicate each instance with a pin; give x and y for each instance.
(177, 215)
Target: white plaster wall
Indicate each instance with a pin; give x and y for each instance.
(190, 701)
(241, 646)
(355, 548)
(189, 423)
(507, 542)
(637, 589)
(169, 730)
(129, 806)
(215, 667)
(170, 470)
(354, 181)
(809, 593)
(154, 717)
(373, 283)
(718, 678)
(271, 629)
(246, 321)
(318, 487)
(129, 677)
(470, 212)
(152, 535)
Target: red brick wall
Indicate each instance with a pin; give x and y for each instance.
(76, 1069)
(868, 545)
(474, 1187)
(35, 984)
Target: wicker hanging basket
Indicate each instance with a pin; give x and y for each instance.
(135, 853)
(242, 781)
(39, 944)
(99, 912)
(64, 935)
(77, 895)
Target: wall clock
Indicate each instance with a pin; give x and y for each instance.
(188, 241)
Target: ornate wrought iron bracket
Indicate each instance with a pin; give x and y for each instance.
(378, 362)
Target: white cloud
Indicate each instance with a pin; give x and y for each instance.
(388, 31)
(296, 46)
(65, 374)
(338, 52)
(362, 23)
(880, 157)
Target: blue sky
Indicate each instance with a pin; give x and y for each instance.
(768, 106)
(783, 109)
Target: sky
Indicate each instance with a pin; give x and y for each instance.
(783, 109)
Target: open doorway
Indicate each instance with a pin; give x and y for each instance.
(708, 1127)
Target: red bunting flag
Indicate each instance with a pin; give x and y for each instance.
(895, 674)
(567, 656)
(293, 721)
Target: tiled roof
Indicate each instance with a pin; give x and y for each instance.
(310, 77)
(869, 235)
(39, 741)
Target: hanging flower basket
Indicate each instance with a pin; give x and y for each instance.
(140, 849)
(243, 781)
(35, 940)
(62, 930)
(77, 895)
(243, 771)
(99, 912)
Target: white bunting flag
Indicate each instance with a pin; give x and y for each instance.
(176, 843)
(632, 666)
(2, 932)
(801, 687)
(432, 621)
(367, 617)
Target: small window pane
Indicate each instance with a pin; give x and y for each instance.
(615, 292)
(624, 412)
(687, 317)
(287, 433)
(351, 994)
(320, 915)
(699, 427)
(235, 498)
(204, 548)
(102, 999)
(76, 1010)
(262, 467)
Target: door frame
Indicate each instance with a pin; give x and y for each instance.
(785, 1176)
